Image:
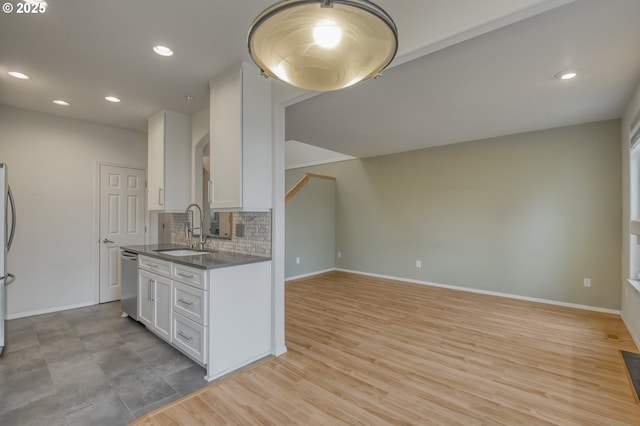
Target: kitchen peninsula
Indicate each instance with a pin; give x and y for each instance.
(214, 306)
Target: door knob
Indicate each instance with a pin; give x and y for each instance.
(107, 241)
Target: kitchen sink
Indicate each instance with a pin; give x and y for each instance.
(184, 252)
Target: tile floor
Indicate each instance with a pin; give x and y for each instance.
(88, 366)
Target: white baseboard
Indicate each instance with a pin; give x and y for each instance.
(281, 350)
(310, 274)
(635, 338)
(490, 293)
(48, 310)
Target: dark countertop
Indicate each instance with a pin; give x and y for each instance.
(211, 260)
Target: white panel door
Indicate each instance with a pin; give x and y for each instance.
(122, 217)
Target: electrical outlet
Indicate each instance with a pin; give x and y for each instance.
(418, 264)
(339, 255)
(298, 261)
(587, 282)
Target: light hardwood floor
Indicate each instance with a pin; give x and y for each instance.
(364, 350)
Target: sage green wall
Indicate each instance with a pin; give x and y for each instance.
(531, 214)
(310, 227)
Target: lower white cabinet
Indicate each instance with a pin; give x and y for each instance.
(154, 303)
(190, 311)
(239, 317)
(219, 317)
(190, 302)
(172, 303)
(190, 337)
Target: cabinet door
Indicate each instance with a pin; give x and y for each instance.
(190, 338)
(169, 161)
(145, 304)
(162, 307)
(177, 161)
(226, 141)
(155, 167)
(256, 140)
(240, 140)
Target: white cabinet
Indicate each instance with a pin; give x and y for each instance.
(221, 317)
(239, 317)
(154, 298)
(190, 311)
(240, 140)
(190, 337)
(188, 275)
(145, 304)
(173, 303)
(190, 302)
(169, 161)
(157, 266)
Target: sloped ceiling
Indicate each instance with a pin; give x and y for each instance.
(465, 69)
(501, 82)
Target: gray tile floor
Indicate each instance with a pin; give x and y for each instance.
(88, 366)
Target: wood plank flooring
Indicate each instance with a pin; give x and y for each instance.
(364, 350)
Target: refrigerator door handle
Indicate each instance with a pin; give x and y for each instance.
(9, 279)
(13, 220)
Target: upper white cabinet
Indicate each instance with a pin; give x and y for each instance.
(169, 164)
(240, 140)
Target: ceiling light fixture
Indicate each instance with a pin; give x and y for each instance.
(323, 45)
(112, 99)
(61, 102)
(566, 75)
(18, 74)
(162, 50)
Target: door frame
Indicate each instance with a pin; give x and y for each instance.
(96, 220)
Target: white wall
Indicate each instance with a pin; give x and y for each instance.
(630, 209)
(53, 165)
(299, 154)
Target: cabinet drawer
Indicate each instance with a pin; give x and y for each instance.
(157, 266)
(188, 275)
(190, 302)
(190, 337)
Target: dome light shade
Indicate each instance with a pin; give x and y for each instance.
(323, 45)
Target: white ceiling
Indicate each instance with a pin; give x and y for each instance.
(499, 83)
(84, 50)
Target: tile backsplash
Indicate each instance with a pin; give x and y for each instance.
(256, 240)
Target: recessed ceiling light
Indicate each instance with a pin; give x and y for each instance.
(61, 102)
(18, 74)
(566, 75)
(112, 99)
(162, 50)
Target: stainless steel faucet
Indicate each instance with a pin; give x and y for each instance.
(202, 238)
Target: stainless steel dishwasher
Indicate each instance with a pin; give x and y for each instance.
(129, 283)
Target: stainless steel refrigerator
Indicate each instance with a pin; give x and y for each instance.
(7, 232)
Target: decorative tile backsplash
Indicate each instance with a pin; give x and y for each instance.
(256, 240)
